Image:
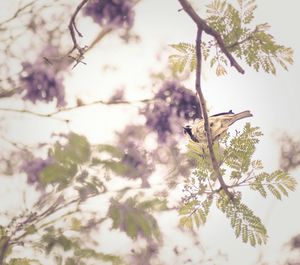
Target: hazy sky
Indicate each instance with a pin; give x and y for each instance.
(273, 100)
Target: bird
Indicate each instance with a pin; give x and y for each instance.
(219, 123)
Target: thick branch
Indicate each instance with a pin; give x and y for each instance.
(202, 26)
(214, 161)
(210, 31)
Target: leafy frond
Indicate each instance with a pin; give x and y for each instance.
(186, 56)
(243, 221)
(256, 46)
(247, 8)
(216, 8)
(277, 183)
(194, 213)
(238, 154)
(237, 167)
(261, 51)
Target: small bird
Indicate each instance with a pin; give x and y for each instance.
(219, 123)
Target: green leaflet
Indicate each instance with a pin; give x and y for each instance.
(185, 57)
(195, 213)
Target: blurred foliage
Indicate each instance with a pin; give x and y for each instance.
(54, 239)
(57, 223)
(134, 218)
(60, 227)
(290, 153)
(65, 161)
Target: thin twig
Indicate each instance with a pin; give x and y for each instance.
(51, 115)
(210, 31)
(99, 37)
(17, 13)
(103, 102)
(74, 30)
(24, 111)
(233, 45)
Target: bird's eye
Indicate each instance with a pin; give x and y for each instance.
(211, 124)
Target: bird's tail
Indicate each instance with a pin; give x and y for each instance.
(241, 115)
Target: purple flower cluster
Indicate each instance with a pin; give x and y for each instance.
(118, 95)
(136, 159)
(111, 13)
(33, 168)
(145, 256)
(41, 83)
(173, 105)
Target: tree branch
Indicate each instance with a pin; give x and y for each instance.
(73, 31)
(210, 31)
(52, 114)
(24, 111)
(18, 12)
(214, 161)
(103, 102)
(99, 37)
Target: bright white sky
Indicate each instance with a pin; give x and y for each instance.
(273, 100)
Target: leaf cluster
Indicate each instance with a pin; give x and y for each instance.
(135, 218)
(65, 161)
(278, 183)
(54, 240)
(255, 45)
(239, 170)
(242, 219)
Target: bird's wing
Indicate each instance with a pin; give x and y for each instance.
(222, 123)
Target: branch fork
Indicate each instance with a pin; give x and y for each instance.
(203, 27)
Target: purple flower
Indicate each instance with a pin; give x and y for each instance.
(136, 159)
(173, 105)
(41, 83)
(158, 118)
(145, 255)
(118, 95)
(138, 164)
(33, 168)
(112, 13)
